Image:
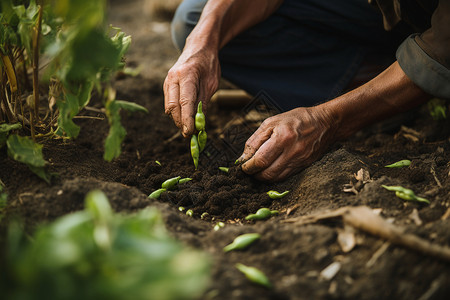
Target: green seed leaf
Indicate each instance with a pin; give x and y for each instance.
(24, 150)
(262, 214)
(184, 180)
(224, 169)
(405, 194)
(170, 183)
(156, 194)
(276, 195)
(242, 242)
(254, 275)
(400, 164)
(219, 225)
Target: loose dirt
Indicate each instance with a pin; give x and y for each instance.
(292, 256)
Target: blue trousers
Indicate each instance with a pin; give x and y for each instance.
(307, 52)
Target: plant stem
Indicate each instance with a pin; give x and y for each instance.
(36, 38)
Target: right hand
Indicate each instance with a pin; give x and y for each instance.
(193, 78)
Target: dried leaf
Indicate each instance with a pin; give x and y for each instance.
(363, 175)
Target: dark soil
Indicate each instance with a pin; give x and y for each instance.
(291, 255)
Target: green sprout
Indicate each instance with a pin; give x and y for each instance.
(400, 164)
(262, 214)
(405, 194)
(254, 275)
(276, 195)
(243, 241)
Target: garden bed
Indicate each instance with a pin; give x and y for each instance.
(292, 255)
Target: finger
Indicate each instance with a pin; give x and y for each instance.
(172, 105)
(277, 171)
(188, 99)
(260, 136)
(264, 157)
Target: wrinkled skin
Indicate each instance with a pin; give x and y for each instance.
(287, 143)
(193, 78)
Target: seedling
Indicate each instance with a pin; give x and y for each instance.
(181, 208)
(400, 164)
(189, 212)
(219, 225)
(204, 215)
(405, 194)
(158, 163)
(254, 275)
(242, 242)
(184, 180)
(171, 183)
(81, 53)
(198, 142)
(224, 169)
(262, 214)
(156, 194)
(437, 109)
(195, 150)
(277, 195)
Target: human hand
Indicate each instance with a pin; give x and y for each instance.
(287, 143)
(193, 78)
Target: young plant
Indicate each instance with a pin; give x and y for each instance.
(254, 275)
(262, 214)
(242, 242)
(400, 164)
(98, 254)
(198, 142)
(405, 194)
(276, 195)
(81, 54)
(437, 109)
(224, 169)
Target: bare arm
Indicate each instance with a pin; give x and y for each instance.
(286, 143)
(195, 76)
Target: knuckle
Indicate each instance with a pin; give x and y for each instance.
(288, 136)
(261, 162)
(184, 101)
(269, 175)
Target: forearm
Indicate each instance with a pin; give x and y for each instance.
(222, 20)
(389, 93)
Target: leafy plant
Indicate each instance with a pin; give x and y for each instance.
(98, 254)
(437, 109)
(80, 55)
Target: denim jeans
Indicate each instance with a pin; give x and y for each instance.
(305, 53)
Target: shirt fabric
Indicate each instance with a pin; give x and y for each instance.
(425, 55)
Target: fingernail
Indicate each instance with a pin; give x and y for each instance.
(185, 129)
(240, 159)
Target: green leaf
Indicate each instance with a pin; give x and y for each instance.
(24, 150)
(62, 259)
(4, 131)
(437, 108)
(131, 106)
(67, 110)
(116, 131)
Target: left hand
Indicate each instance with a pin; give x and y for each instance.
(287, 143)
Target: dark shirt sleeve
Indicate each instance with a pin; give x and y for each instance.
(425, 57)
